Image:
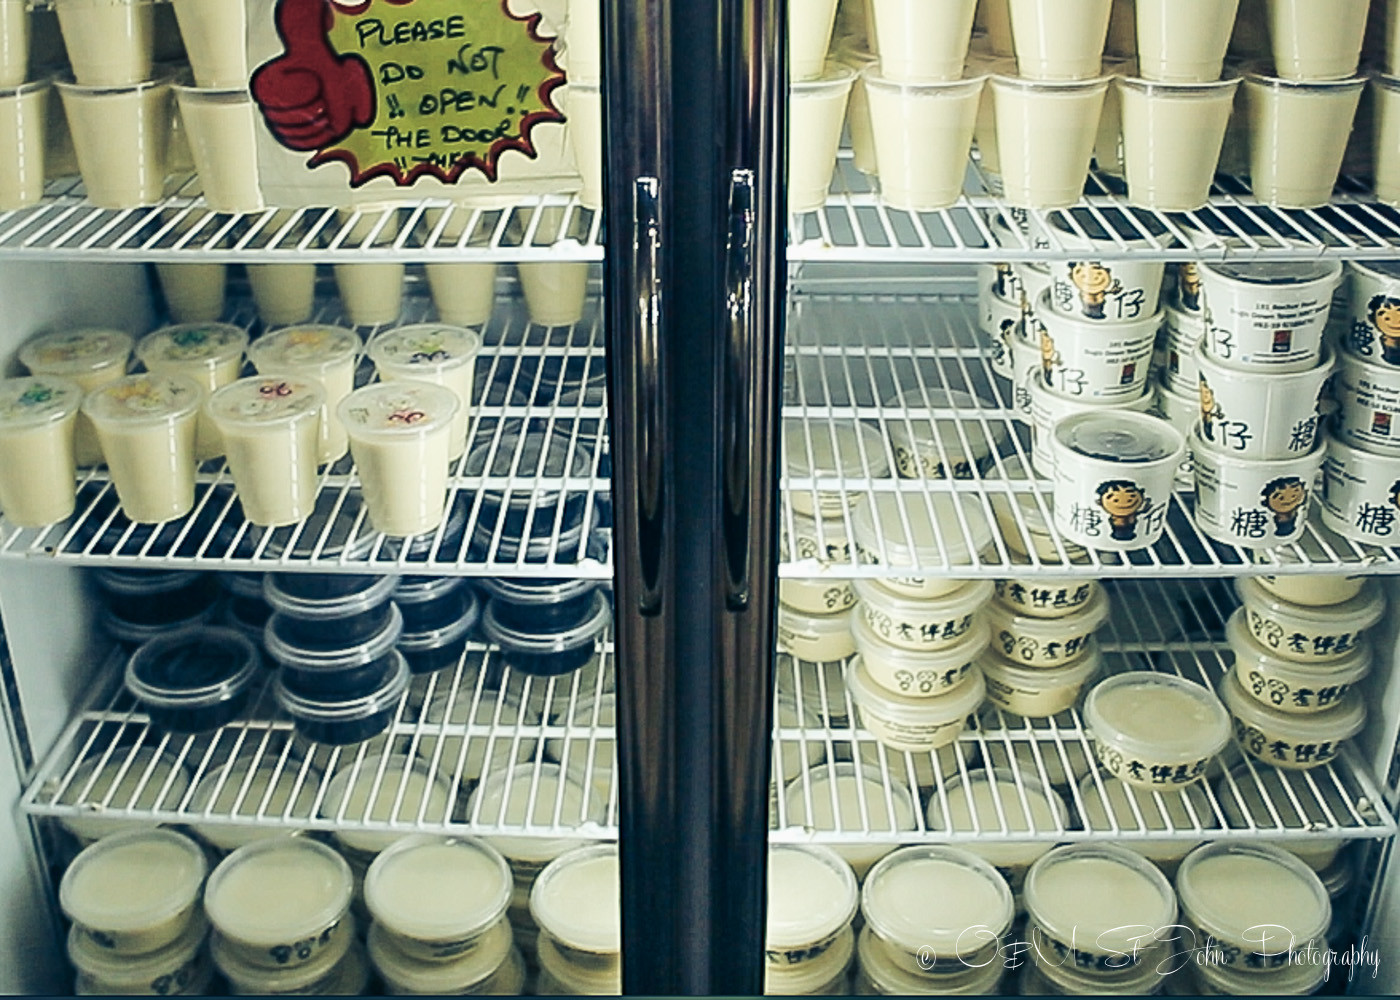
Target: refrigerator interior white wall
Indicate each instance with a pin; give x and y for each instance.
(39, 297)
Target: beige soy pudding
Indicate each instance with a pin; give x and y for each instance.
(1045, 138)
(209, 353)
(841, 796)
(1123, 807)
(392, 788)
(90, 357)
(37, 420)
(283, 293)
(577, 901)
(812, 896)
(238, 789)
(1183, 41)
(432, 352)
(194, 293)
(327, 354)
(1155, 730)
(1172, 137)
(1060, 39)
(270, 430)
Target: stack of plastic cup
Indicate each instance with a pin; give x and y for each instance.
(24, 112)
(575, 901)
(209, 353)
(91, 358)
(439, 614)
(327, 354)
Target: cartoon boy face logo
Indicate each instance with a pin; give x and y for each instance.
(1210, 411)
(1095, 283)
(1395, 493)
(1188, 285)
(1384, 314)
(1049, 357)
(1124, 502)
(1285, 498)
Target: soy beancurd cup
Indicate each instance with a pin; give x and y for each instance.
(1039, 641)
(327, 354)
(816, 112)
(926, 673)
(1091, 361)
(1297, 137)
(1045, 138)
(91, 358)
(918, 42)
(37, 420)
(1309, 634)
(1317, 39)
(1259, 414)
(437, 353)
(1173, 134)
(925, 624)
(809, 27)
(576, 901)
(924, 543)
(1183, 41)
(146, 427)
(1155, 731)
(1036, 692)
(1267, 316)
(1045, 597)
(270, 429)
(1059, 41)
(831, 451)
(812, 896)
(209, 353)
(23, 111)
(916, 724)
(120, 136)
(1253, 504)
(923, 134)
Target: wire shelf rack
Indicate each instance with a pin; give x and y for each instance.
(1174, 627)
(534, 385)
(888, 361)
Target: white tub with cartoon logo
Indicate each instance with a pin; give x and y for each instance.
(1361, 494)
(1369, 394)
(1097, 362)
(1268, 316)
(1260, 415)
(1255, 505)
(1374, 296)
(1100, 288)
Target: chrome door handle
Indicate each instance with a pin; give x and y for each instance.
(649, 393)
(737, 416)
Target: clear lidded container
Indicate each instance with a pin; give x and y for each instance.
(327, 354)
(38, 417)
(812, 896)
(1155, 730)
(269, 428)
(577, 901)
(897, 531)
(432, 352)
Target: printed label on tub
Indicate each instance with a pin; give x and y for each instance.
(1121, 511)
(1277, 513)
(1023, 595)
(915, 632)
(1112, 291)
(1188, 286)
(1358, 505)
(1115, 962)
(1120, 765)
(1227, 954)
(1270, 633)
(1233, 429)
(1104, 367)
(1268, 334)
(174, 983)
(1280, 693)
(1003, 281)
(1370, 406)
(1282, 751)
(808, 548)
(302, 950)
(925, 682)
(1028, 650)
(794, 956)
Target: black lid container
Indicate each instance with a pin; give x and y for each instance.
(157, 597)
(360, 610)
(329, 667)
(193, 680)
(438, 649)
(346, 719)
(542, 605)
(548, 654)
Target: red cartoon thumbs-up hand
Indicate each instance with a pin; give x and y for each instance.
(312, 96)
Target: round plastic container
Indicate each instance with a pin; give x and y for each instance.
(428, 602)
(1290, 740)
(209, 353)
(440, 649)
(432, 352)
(526, 459)
(548, 654)
(835, 450)
(326, 595)
(1037, 641)
(438, 897)
(278, 903)
(193, 680)
(1309, 634)
(880, 974)
(590, 712)
(937, 909)
(541, 605)
(501, 711)
(89, 357)
(1057, 766)
(1034, 597)
(924, 541)
(1286, 685)
(341, 721)
(1036, 692)
(114, 781)
(1313, 589)
(1136, 810)
(817, 546)
(560, 976)
(913, 724)
(264, 793)
(136, 892)
(576, 901)
(333, 668)
(917, 674)
(350, 617)
(1253, 796)
(505, 798)
(823, 975)
(812, 896)
(406, 975)
(359, 792)
(816, 638)
(38, 417)
(1051, 971)
(317, 976)
(841, 796)
(1256, 899)
(156, 597)
(1102, 905)
(931, 448)
(1268, 316)
(1155, 731)
(918, 625)
(173, 969)
(248, 616)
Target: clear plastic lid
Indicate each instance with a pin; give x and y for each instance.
(812, 894)
(1120, 436)
(151, 398)
(323, 709)
(1099, 896)
(406, 782)
(967, 599)
(321, 609)
(422, 642)
(1277, 272)
(937, 896)
(526, 458)
(398, 409)
(310, 348)
(526, 795)
(1256, 896)
(834, 450)
(76, 353)
(192, 345)
(904, 530)
(949, 706)
(433, 888)
(133, 881)
(539, 644)
(425, 347)
(302, 656)
(577, 899)
(1160, 718)
(465, 974)
(1089, 617)
(192, 668)
(144, 583)
(37, 401)
(530, 591)
(1115, 227)
(91, 959)
(1346, 669)
(265, 400)
(1361, 612)
(1341, 722)
(420, 589)
(840, 790)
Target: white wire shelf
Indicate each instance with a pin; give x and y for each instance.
(1174, 627)
(522, 371)
(882, 360)
(65, 226)
(855, 225)
(446, 721)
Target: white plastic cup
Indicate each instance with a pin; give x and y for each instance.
(555, 291)
(327, 354)
(109, 42)
(1368, 395)
(221, 130)
(1093, 361)
(194, 293)
(1268, 317)
(583, 41)
(372, 294)
(432, 352)
(1374, 332)
(1114, 476)
(1297, 137)
(23, 121)
(401, 436)
(1317, 39)
(584, 108)
(209, 353)
(146, 426)
(14, 42)
(1045, 138)
(1386, 137)
(984, 133)
(92, 359)
(1253, 504)
(213, 31)
(1048, 407)
(809, 24)
(923, 135)
(1060, 39)
(1361, 494)
(816, 111)
(1172, 137)
(120, 135)
(1260, 415)
(283, 293)
(270, 428)
(37, 418)
(1183, 41)
(920, 41)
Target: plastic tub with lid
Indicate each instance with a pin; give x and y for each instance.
(107, 785)
(1305, 633)
(525, 795)
(812, 896)
(316, 976)
(936, 909)
(1036, 692)
(944, 447)
(1263, 797)
(817, 546)
(404, 974)
(543, 605)
(881, 974)
(823, 974)
(923, 541)
(428, 602)
(1289, 740)
(347, 617)
(1058, 975)
(440, 648)
(393, 788)
(1133, 809)
(343, 720)
(248, 616)
(559, 976)
(1312, 589)
(263, 793)
(841, 796)
(1301, 979)
(1037, 641)
(921, 624)
(532, 461)
(134, 892)
(280, 903)
(499, 710)
(193, 680)
(1287, 685)
(823, 638)
(544, 653)
(334, 667)
(592, 715)
(576, 901)
(177, 968)
(821, 687)
(924, 673)
(831, 451)
(1155, 730)
(913, 723)
(1034, 597)
(156, 597)
(1257, 901)
(435, 898)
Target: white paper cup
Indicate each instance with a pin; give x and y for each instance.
(120, 135)
(1172, 137)
(1111, 283)
(1114, 475)
(1386, 137)
(1297, 137)
(194, 293)
(584, 108)
(270, 430)
(327, 354)
(212, 31)
(220, 128)
(816, 110)
(209, 353)
(1045, 138)
(923, 134)
(1268, 316)
(920, 41)
(1369, 398)
(1253, 504)
(146, 425)
(1374, 331)
(23, 120)
(1048, 407)
(1317, 39)
(583, 41)
(1093, 361)
(555, 291)
(1361, 494)
(809, 24)
(1258, 414)
(14, 42)
(109, 42)
(37, 418)
(1060, 39)
(858, 114)
(1183, 41)
(1181, 336)
(284, 293)
(432, 352)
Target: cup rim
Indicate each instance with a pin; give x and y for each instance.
(1019, 82)
(1206, 87)
(66, 82)
(1268, 80)
(871, 76)
(834, 75)
(29, 87)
